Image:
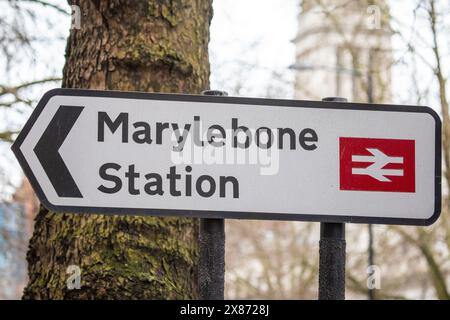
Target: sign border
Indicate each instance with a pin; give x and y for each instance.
(242, 101)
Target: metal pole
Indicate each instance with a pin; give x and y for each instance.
(332, 254)
(371, 291)
(371, 254)
(211, 269)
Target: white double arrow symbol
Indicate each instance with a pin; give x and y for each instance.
(375, 170)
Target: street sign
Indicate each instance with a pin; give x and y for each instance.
(225, 157)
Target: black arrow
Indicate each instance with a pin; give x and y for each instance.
(47, 151)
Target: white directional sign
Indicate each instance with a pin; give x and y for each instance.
(205, 156)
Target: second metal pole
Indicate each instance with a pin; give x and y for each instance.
(211, 270)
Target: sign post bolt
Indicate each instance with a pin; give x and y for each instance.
(332, 254)
(211, 271)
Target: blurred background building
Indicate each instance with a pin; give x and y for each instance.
(343, 48)
(16, 228)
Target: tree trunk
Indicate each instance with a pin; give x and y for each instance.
(155, 46)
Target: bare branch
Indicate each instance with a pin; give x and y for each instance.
(14, 90)
(49, 5)
(7, 136)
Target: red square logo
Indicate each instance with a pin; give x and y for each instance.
(368, 164)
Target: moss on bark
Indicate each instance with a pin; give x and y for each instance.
(153, 46)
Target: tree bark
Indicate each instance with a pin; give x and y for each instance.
(155, 46)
